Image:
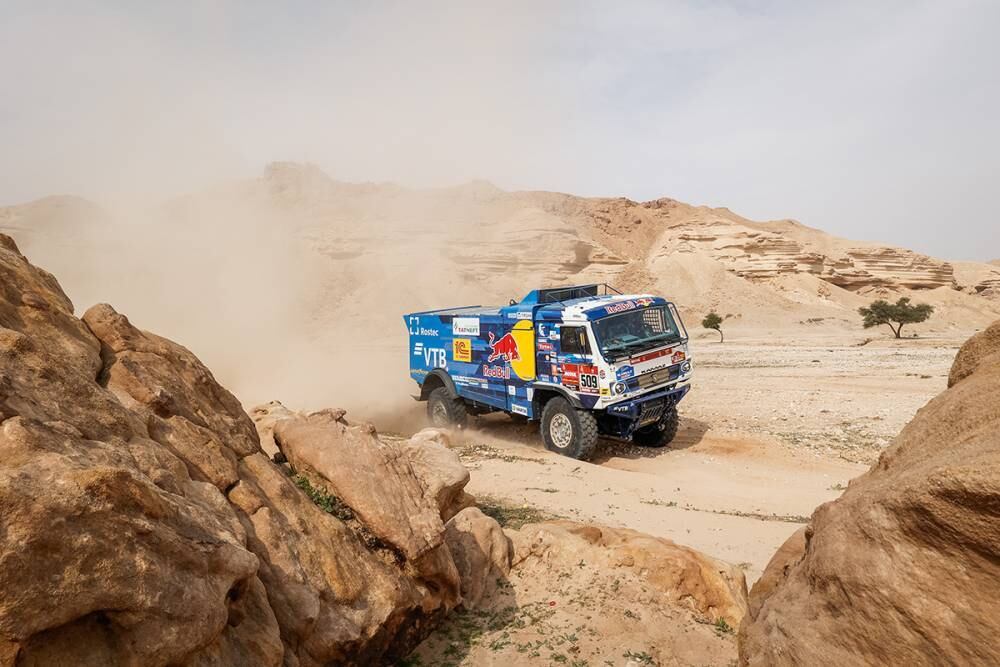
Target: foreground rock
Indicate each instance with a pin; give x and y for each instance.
(904, 568)
(141, 523)
(585, 594)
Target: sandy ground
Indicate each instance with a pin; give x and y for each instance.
(771, 429)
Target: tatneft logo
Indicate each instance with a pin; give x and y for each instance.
(465, 326)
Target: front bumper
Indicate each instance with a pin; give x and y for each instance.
(648, 408)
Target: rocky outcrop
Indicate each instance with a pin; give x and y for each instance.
(761, 251)
(143, 524)
(711, 588)
(481, 550)
(587, 594)
(903, 568)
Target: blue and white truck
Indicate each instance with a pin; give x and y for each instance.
(584, 361)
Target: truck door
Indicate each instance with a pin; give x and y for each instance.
(512, 357)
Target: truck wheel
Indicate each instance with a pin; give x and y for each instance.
(659, 434)
(444, 410)
(568, 431)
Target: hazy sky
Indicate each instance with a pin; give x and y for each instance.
(871, 120)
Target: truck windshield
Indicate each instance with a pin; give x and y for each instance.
(635, 331)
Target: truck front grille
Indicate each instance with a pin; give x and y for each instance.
(652, 411)
(659, 377)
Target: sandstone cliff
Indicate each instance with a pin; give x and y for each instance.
(904, 567)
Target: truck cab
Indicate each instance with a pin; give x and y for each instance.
(583, 361)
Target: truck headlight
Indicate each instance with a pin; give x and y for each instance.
(620, 387)
(686, 367)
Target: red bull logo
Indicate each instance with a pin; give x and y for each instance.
(644, 301)
(505, 347)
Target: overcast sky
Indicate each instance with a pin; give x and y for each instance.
(871, 120)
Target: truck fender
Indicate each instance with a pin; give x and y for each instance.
(437, 378)
(573, 399)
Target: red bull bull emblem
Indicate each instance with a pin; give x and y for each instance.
(505, 347)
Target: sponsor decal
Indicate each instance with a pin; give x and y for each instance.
(435, 357)
(649, 356)
(520, 315)
(605, 391)
(555, 369)
(511, 390)
(464, 380)
(625, 372)
(461, 349)
(529, 392)
(581, 377)
(544, 346)
(644, 301)
(417, 330)
(465, 326)
(418, 349)
(678, 356)
(498, 372)
(418, 371)
(519, 410)
(541, 330)
(602, 374)
(620, 307)
(504, 347)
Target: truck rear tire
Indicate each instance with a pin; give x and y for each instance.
(568, 431)
(445, 410)
(659, 434)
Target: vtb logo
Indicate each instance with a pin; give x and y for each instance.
(435, 357)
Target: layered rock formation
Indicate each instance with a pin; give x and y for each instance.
(761, 251)
(143, 524)
(904, 568)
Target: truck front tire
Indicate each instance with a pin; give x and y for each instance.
(445, 410)
(568, 431)
(660, 434)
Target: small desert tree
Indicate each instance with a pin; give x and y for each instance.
(895, 315)
(713, 321)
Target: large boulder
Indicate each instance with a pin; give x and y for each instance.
(481, 550)
(141, 522)
(375, 479)
(903, 568)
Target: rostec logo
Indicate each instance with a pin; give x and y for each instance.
(413, 324)
(435, 357)
(461, 349)
(505, 347)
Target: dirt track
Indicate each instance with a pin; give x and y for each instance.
(768, 433)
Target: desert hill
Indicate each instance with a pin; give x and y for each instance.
(319, 271)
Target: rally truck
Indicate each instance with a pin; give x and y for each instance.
(583, 361)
